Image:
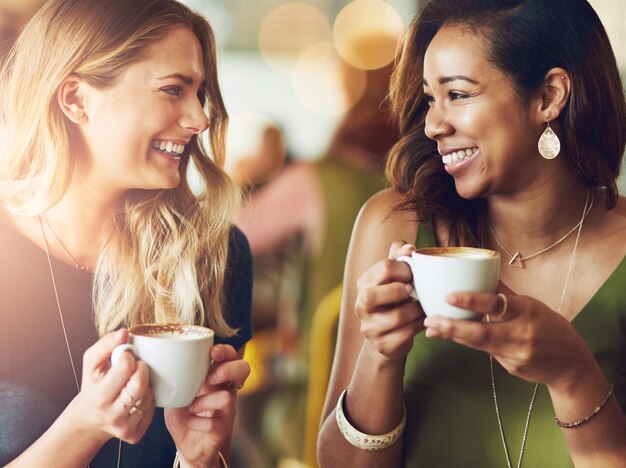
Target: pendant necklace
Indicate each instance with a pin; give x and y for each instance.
(586, 211)
(67, 253)
(56, 296)
(517, 260)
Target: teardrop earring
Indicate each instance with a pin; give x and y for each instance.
(549, 144)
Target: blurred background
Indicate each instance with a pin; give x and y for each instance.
(304, 84)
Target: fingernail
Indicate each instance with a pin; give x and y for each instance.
(408, 287)
(431, 333)
(452, 298)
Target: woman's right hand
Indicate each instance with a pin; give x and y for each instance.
(114, 400)
(389, 317)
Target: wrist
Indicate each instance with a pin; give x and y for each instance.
(218, 461)
(77, 419)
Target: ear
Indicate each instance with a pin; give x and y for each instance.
(555, 93)
(71, 99)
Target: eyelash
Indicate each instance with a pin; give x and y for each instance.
(173, 90)
(452, 95)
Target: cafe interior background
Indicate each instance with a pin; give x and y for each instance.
(280, 66)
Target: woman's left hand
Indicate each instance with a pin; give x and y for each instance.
(201, 429)
(529, 340)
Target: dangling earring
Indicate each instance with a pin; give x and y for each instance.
(549, 144)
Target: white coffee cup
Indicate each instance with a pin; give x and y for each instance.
(177, 356)
(438, 271)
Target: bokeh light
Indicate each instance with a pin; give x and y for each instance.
(319, 84)
(367, 32)
(289, 30)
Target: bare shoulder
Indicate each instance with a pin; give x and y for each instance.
(377, 226)
(379, 219)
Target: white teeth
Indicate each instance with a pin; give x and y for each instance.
(168, 147)
(458, 156)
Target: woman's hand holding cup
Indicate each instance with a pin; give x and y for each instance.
(200, 429)
(389, 317)
(114, 400)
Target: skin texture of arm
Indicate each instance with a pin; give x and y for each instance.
(372, 368)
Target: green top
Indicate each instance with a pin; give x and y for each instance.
(447, 388)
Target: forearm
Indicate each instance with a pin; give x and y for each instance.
(67, 443)
(373, 405)
(600, 441)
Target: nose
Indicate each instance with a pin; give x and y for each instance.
(436, 125)
(195, 118)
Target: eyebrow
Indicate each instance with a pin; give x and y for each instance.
(184, 78)
(448, 79)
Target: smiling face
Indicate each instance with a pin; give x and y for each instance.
(484, 133)
(134, 133)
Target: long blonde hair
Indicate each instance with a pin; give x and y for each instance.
(166, 260)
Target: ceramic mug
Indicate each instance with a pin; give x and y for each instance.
(177, 356)
(438, 271)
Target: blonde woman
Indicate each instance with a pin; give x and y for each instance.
(103, 105)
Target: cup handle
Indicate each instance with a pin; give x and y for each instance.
(406, 259)
(118, 350)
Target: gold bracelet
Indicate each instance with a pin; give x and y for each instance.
(368, 442)
(590, 416)
(177, 460)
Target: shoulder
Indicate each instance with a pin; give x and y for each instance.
(379, 217)
(377, 227)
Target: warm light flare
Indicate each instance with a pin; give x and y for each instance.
(367, 32)
(318, 81)
(289, 30)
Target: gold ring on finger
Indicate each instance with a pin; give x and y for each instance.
(133, 409)
(505, 306)
(233, 386)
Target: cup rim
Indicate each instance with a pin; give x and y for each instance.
(199, 331)
(490, 254)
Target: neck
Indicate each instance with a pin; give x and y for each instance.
(80, 220)
(539, 216)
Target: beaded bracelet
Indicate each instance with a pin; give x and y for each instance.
(177, 460)
(590, 416)
(371, 443)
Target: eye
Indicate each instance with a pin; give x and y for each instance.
(172, 90)
(455, 95)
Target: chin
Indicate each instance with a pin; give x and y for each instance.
(470, 191)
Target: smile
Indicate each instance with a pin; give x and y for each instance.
(168, 147)
(458, 156)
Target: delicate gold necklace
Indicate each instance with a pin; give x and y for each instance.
(586, 211)
(517, 260)
(67, 253)
(56, 296)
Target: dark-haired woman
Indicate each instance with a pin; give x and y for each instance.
(513, 126)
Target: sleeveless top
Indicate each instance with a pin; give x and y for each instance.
(451, 418)
(36, 379)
